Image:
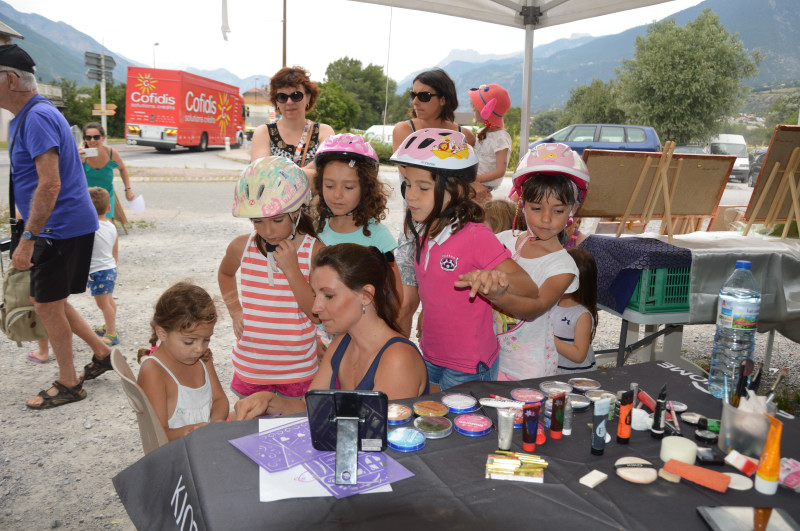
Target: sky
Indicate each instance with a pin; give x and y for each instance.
(318, 32)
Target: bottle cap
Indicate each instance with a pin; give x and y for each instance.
(743, 264)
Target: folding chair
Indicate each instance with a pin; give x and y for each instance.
(150, 429)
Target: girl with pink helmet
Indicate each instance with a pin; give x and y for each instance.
(549, 184)
(493, 144)
(276, 338)
(456, 258)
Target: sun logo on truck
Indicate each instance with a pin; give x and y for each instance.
(225, 115)
(145, 83)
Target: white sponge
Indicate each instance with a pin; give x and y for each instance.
(593, 479)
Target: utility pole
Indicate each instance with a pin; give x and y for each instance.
(284, 32)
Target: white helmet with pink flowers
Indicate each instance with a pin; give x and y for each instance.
(441, 152)
(346, 145)
(552, 158)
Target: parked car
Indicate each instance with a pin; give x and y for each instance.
(691, 149)
(733, 145)
(605, 136)
(757, 157)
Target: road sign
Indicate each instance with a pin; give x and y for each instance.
(109, 106)
(92, 60)
(107, 112)
(94, 73)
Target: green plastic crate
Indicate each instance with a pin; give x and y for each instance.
(662, 290)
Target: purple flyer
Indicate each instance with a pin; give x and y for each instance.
(279, 448)
(375, 469)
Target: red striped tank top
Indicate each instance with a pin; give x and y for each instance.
(278, 344)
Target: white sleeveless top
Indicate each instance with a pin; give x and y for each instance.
(193, 405)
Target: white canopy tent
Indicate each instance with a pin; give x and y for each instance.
(523, 14)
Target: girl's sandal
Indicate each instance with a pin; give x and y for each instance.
(96, 367)
(65, 395)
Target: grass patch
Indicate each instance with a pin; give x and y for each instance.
(142, 224)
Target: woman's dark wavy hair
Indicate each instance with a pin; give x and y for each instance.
(374, 194)
(293, 76)
(359, 266)
(586, 293)
(438, 80)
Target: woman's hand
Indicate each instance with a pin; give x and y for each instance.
(82, 153)
(253, 406)
(129, 194)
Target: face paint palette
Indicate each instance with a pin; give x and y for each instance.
(433, 427)
(405, 440)
(473, 425)
(398, 414)
(584, 384)
(459, 403)
(425, 408)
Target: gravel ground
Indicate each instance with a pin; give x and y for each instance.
(57, 465)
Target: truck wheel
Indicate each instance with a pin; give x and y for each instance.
(203, 142)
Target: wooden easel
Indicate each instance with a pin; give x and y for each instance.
(682, 189)
(119, 213)
(779, 193)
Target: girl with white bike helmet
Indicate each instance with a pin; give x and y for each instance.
(454, 250)
(276, 347)
(549, 184)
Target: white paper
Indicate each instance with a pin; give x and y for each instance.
(137, 205)
(295, 482)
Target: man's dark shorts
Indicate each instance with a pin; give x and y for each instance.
(60, 267)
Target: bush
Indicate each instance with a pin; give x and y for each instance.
(384, 151)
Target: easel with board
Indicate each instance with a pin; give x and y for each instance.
(675, 187)
(119, 213)
(776, 198)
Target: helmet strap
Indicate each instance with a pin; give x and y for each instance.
(411, 226)
(514, 231)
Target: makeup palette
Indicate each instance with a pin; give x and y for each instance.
(405, 440)
(529, 396)
(584, 384)
(433, 427)
(549, 387)
(578, 402)
(473, 425)
(596, 394)
(425, 408)
(398, 414)
(459, 403)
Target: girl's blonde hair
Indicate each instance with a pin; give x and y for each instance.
(500, 215)
(182, 307)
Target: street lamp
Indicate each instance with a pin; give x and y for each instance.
(154, 54)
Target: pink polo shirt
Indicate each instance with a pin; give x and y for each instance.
(457, 332)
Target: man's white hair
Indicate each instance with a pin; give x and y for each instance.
(27, 81)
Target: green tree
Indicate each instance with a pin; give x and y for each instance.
(546, 122)
(367, 86)
(784, 110)
(511, 121)
(335, 107)
(399, 107)
(77, 103)
(595, 103)
(115, 93)
(684, 80)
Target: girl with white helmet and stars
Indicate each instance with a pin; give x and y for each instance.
(550, 182)
(456, 259)
(276, 348)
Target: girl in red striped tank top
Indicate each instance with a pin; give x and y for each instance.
(276, 345)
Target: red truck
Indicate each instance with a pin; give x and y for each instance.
(169, 108)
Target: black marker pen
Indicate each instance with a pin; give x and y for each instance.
(660, 415)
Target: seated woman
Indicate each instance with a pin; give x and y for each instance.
(355, 298)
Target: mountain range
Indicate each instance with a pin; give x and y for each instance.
(772, 26)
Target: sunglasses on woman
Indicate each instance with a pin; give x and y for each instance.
(296, 96)
(92, 137)
(423, 96)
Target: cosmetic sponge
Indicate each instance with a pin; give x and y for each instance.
(593, 479)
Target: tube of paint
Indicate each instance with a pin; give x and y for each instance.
(557, 416)
(624, 424)
(660, 415)
(505, 427)
(530, 426)
(568, 412)
(769, 466)
(599, 429)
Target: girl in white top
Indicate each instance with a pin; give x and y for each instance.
(549, 184)
(493, 145)
(181, 383)
(574, 318)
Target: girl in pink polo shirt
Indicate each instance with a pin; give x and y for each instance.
(456, 259)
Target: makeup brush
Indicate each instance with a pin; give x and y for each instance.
(745, 370)
(771, 396)
(494, 426)
(755, 379)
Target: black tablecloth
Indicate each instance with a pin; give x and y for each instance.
(202, 479)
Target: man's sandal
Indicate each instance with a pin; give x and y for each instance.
(65, 395)
(96, 367)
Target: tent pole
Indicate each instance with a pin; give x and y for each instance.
(527, 75)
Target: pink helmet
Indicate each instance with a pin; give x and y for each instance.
(552, 159)
(440, 151)
(346, 145)
(492, 102)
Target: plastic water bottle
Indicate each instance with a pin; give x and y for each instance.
(737, 320)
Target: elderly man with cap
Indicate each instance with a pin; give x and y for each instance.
(50, 192)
